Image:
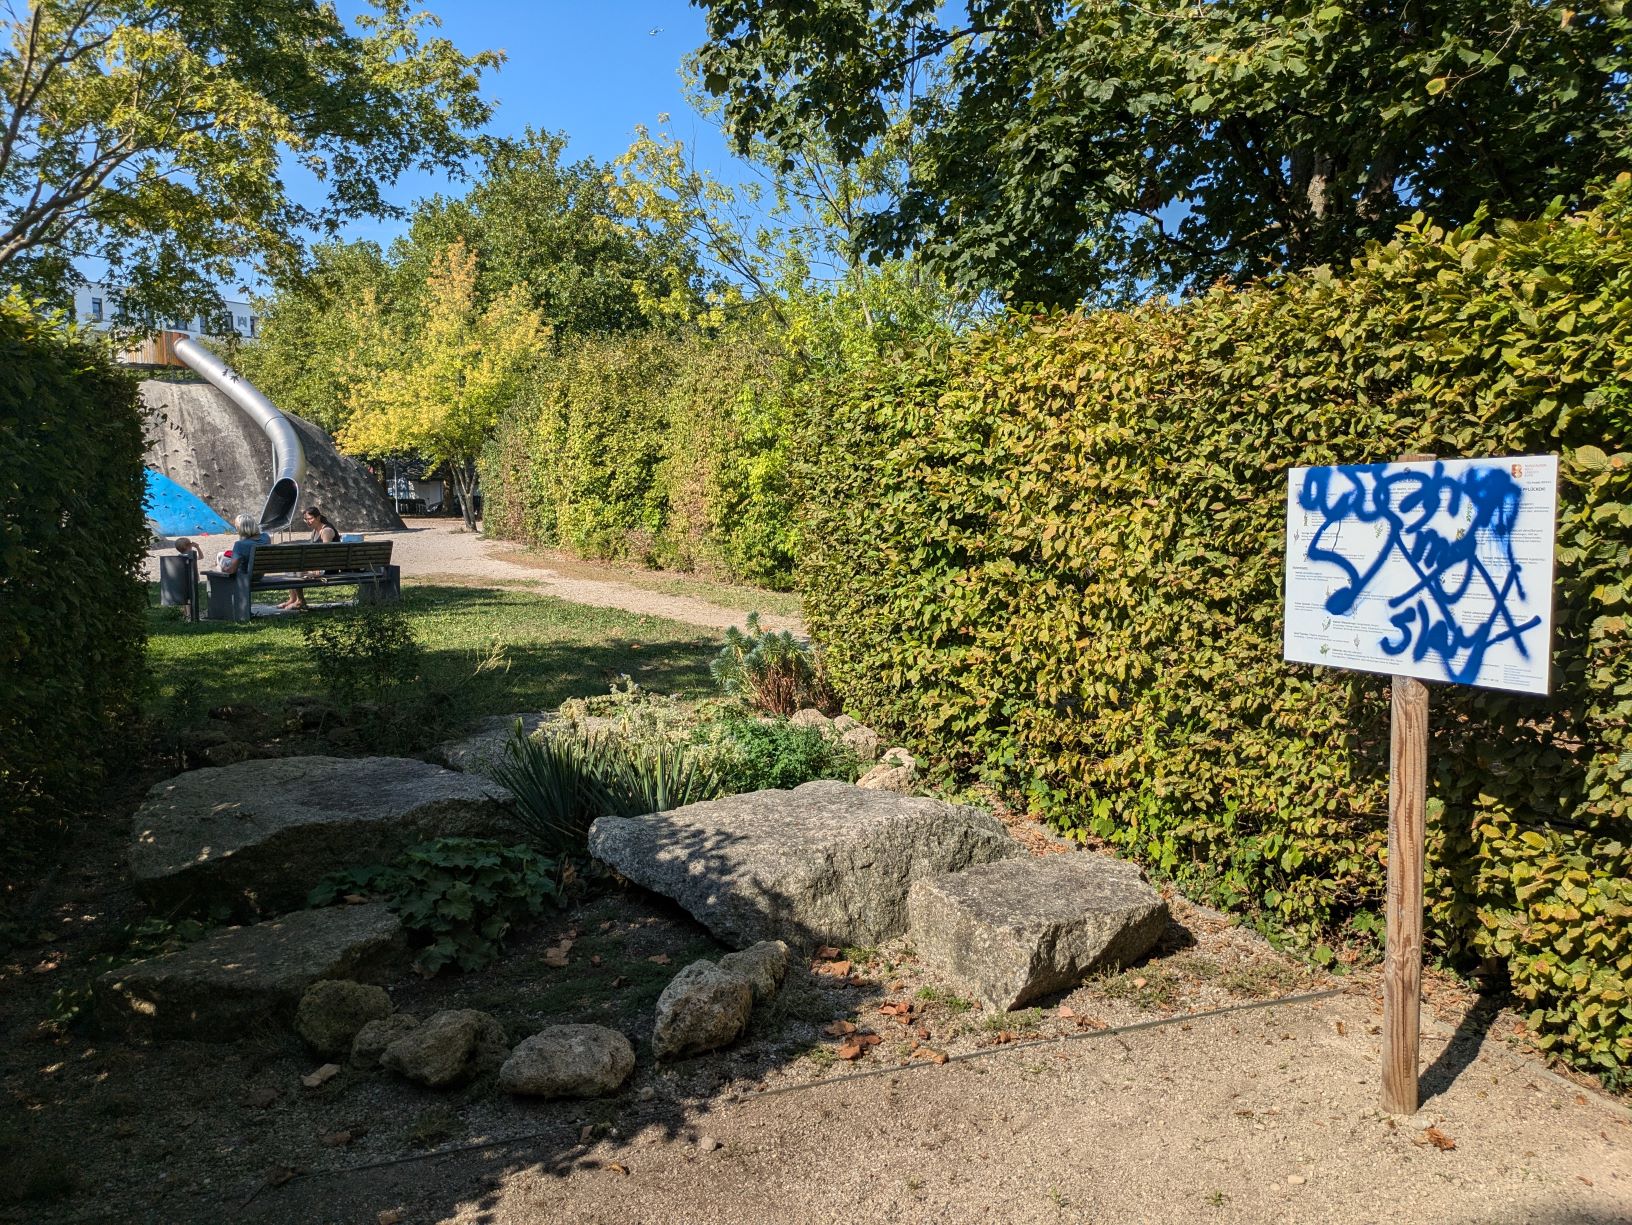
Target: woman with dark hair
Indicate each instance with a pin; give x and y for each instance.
(323, 532)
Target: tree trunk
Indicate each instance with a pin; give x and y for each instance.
(464, 480)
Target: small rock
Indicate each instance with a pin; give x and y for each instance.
(450, 1048)
(568, 1061)
(332, 1011)
(702, 1008)
(374, 1037)
(648, 1094)
(844, 723)
(708, 1144)
(763, 964)
(322, 1076)
(862, 741)
(1297, 1180)
(810, 717)
(896, 771)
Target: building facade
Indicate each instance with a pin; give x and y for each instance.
(95, 306)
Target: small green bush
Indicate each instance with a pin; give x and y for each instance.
(770, 671)
(362, 652)
(745, 753)
(458, 897)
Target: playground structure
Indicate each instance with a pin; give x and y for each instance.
(222, 448)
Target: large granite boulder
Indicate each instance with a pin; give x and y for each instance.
(825, 863)
(1010, 932)
(213, 989)
(568, 1061)
(264, 832)
(704, 1007)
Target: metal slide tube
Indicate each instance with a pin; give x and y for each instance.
(288, 455)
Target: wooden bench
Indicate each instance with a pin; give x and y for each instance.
(366, 566)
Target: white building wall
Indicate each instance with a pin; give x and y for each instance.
(95, 306)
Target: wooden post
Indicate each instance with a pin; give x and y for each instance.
(1407, 830)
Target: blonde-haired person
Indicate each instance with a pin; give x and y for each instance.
(243, 549)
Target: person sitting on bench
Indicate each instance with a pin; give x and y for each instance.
(243, 549)
(323, 532)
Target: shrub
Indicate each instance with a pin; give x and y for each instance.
(458, 897)
(745, 753)
(72, 534)
(770, 671)
(362, 652)
(563, 782)
(1051, 554)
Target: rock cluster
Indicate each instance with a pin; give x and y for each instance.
(708, 1005)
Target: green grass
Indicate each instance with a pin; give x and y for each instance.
(555, 650)
(667, 582)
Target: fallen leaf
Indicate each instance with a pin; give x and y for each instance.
(1004, 1036)
(850, 1049)
(827, 953)
(618, 1168)
(619, 981)
(1342, 1029)
(923, 1033)
(1585, 1179)
(1140, 982)
(556, 957)
(839, 1028)
(867, 1039)
(389, 1216)
(322, 1076)
(594, 959)
(661, 959)
(1066, 1012)
(902, 1012)
(1580, 1099)
(1438, 1139)
(337, 1139)
(932, 1056)
(834, 969)
(608, 924)
(353, 899)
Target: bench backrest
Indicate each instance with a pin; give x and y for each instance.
(293, 558)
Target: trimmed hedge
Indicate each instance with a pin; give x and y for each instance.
(1051, 553)
(72, 534)
(664, 450)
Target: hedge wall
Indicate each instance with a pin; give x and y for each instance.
(72, 533)
(653, 448)
(1052, 554)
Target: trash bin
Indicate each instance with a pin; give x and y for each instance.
(178, 584)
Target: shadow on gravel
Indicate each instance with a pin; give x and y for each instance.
(1462, 1049)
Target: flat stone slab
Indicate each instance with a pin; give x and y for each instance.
(265, 832)
(213, 989)
(1010, 932)
(476, 753)
(825, 863)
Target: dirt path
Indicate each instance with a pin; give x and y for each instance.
(440, 550)
(1260, 1114)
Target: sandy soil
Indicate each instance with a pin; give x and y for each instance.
(440, 550)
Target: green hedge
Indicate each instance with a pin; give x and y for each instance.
(653, 448)
(1051, 554)
(72, 533)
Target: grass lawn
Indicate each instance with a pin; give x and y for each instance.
(555, 650)
(727, 595)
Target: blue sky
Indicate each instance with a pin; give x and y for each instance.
(592, 69)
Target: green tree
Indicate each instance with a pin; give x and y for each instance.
(155, 138)
(1102, 148)
(308, 332)
(437, 387)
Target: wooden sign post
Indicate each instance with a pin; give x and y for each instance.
(1420, 570)
(1402, 957)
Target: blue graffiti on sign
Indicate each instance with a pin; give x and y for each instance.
(1455, 532)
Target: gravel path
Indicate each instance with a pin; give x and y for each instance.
(1266, 1114)
(440, 550)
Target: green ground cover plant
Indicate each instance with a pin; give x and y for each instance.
(1050, 554)
(457, 897)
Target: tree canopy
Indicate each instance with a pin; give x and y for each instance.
(1102, 148)
(156, 139)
